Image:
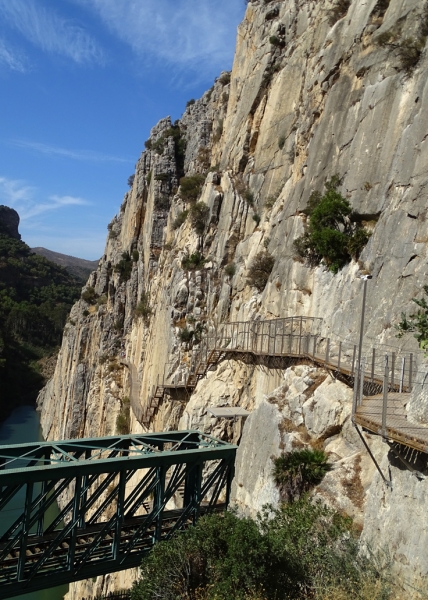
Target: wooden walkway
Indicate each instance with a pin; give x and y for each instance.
(299, 338)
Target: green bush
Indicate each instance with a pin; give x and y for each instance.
(199, 214)
(230, 269)
(162, 177)
(193, 262)
(149, 177)
(224, 79)
(89, 295)
(190, 102)
(338, 11)
(131, 180)
(416, 322)
(123, 421)
(180, 219)
(135, 255)
(185, 334)
(281, 142)
(191, 186)
(124, 267)
(333, 236)
(143, 308)
(298, 471)
(260, 270)
(256, 218)
(148, 144)
(274, 40)
(297, 552)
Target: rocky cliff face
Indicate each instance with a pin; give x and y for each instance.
(316, 89)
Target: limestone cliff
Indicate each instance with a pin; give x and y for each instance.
(317, 88)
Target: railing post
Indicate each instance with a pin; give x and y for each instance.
(385, 396)
(315, 345)
(403, 366)
(300, 334)
(353, 360)
(410, 371)
(327, 351)
(373, 363)
(355, 390)
(392, 370)
(361, 388)
(282, 338)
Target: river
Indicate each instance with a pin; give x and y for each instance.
(22, 426)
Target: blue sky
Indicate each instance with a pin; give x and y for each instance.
(81, 84)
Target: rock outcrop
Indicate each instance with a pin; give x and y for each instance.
(315, 90)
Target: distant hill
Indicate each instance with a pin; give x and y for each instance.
(79, 267)
(36, 296)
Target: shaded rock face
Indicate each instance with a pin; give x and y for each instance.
(326, 99)
(9, 222)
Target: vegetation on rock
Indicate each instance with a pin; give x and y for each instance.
(199, 214)
(191, 186)
(124, 267)
(193, 262)
(260, 270)
(416, 322)
(333, 235)
(299, 471)
(299, 551)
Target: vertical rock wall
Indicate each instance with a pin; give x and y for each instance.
(312, 93)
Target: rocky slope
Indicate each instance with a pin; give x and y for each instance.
(317, 88)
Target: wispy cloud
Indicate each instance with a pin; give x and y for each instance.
(186, 33)
(25, 199)
(85, 155)
(50, 31)
(15, 190)
(11, 58)
(54, 203)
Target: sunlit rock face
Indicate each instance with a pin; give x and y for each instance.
(311, 94)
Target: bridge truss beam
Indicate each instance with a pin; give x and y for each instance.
(118, 496)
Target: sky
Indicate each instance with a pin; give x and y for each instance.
(82, 82)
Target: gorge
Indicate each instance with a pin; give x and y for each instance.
(317, 89)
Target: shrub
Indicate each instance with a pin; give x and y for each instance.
(338, 11)
(143, 308)
(281, 142)
(85, 313)
(274, 40)
(193, 262)
(185, 335)
(199, 214)
(102, 300)
(416, 322)
(89, 295)
(290, 553)
(135, 255)
(162, 177)
(332, 237)
(123, 421)
(260, 270)
(218, 131)
(190, 187)
(230, 269)
(409, 52)
(148, 144)
(131, 180)
(159, 145)
(124, 267)
(224, 78)
(256, 218)
(180, 219)
(190, 102)
(149, 177)
(249, 196)
(298, 471)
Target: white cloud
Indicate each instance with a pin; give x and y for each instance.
(14, 190)
(85, 155)
(11, 58)
(22, 197)
(49, 31)
(198, 34)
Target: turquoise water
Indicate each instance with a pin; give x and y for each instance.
(23, 426)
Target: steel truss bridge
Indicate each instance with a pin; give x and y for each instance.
(118, 497)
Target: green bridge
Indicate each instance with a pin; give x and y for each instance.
(118, 496)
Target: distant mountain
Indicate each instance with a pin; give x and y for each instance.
(79, 267)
